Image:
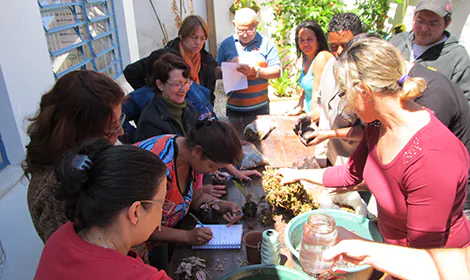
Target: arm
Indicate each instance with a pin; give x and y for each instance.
(354, 133)
(196, 236)
(272, 72)
(431, 192)
(227, 208)
(242, 174)
(317, 71)
(402, 262)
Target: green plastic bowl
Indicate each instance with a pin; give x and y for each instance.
(266, 272)
(350, 221)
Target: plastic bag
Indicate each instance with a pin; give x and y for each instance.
(252, 158)
(337, 201)
(258, 129)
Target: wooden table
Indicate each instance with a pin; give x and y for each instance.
(282, 147)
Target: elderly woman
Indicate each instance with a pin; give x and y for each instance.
(415, 167)
(311, 45)
(192, 36)
(82, 104)
(114, 197)
(170, 113)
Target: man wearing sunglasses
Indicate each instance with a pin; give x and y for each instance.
(259, 61)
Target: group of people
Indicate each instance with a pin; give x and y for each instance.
(398, 129)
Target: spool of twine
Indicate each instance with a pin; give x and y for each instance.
(270, 247)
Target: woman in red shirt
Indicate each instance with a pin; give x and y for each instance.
(114, 198)
(414, 166)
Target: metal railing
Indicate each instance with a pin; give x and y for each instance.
(81, 34)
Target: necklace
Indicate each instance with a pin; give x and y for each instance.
(82, 234)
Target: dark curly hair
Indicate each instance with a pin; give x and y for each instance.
(345, 22)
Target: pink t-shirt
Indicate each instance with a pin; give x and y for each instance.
(67, 256)
(420, 193)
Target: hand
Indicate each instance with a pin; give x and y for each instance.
(234, 59)
(289, 175)
(294, 112)
(231, 210)
(244, 174)
(247, 70)
(315, 137)
(354, 251)
(215, 190)
(199, 236)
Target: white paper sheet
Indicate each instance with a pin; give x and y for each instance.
(233, 80)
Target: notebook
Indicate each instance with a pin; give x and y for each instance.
(224, 237)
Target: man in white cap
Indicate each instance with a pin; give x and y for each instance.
(431, 45)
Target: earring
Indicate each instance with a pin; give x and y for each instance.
(137, 222)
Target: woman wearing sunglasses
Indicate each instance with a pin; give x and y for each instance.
(209, 146)
(82, 104)
(113, 200)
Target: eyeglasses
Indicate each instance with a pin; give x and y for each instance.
(431, 24)
(179, 86)
(247, 32)
(195, 38)
(342, 107)
(122, 119)
(167, 205)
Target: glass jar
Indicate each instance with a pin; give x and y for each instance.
(319, 234)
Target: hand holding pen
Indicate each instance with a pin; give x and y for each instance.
(200, 235)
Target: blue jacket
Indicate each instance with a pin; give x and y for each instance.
(137, 100)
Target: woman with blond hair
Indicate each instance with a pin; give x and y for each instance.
(415, 167)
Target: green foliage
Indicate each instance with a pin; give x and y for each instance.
(291, 13)
(285, 85)
(238, 4)
(373, 14)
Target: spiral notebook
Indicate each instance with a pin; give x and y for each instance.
(224, 237)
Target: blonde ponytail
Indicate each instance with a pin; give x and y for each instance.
(412, 88)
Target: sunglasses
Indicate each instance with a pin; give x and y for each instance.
(167, 205)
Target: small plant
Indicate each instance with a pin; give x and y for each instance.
(292, 197)
(286, 85)
(238, 4)
(250, 208)
(209, 211)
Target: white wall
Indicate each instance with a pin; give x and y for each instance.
(25, 74)
(149, 34)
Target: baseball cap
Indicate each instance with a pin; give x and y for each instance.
(439, 7)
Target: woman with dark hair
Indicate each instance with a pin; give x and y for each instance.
(312, 47)
(82, 104)
(209, 146)
(114, 198)
(168, 111)
(192, 36)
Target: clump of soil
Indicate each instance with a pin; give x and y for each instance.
(292, 197)
(250, 209)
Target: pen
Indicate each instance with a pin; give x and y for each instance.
(198, 222)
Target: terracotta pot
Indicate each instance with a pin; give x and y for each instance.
(252, 241)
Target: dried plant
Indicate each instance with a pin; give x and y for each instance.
(192, 268)
(177, 13)
(210, 204)
(165, 39)
(292, 197)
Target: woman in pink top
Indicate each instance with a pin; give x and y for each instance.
(415, 167)
(115, 197)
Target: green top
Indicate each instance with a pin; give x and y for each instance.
(176, 111)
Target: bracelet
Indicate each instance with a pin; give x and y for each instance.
(257, 72)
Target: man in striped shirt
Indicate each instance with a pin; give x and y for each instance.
(259, 61)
